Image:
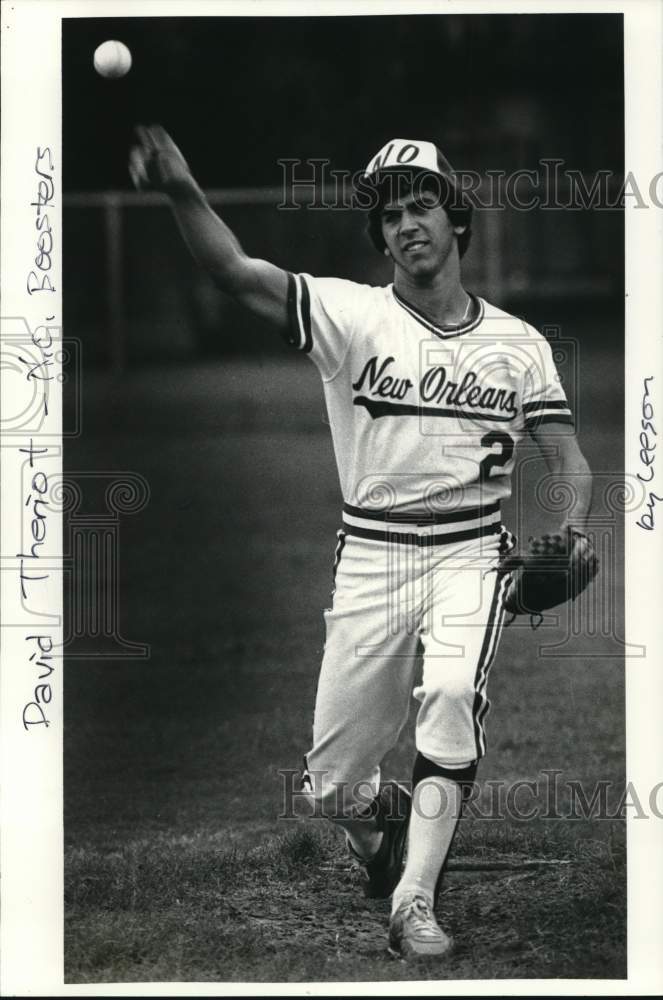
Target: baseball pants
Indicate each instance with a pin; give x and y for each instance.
(393, 601)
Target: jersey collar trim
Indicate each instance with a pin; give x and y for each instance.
(452, 330)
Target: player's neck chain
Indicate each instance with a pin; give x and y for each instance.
(459, 322)
(467, 309)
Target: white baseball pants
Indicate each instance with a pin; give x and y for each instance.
(393, 600)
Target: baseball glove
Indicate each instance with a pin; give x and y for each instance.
(555, 569)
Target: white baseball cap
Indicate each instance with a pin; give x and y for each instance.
(409, 154)
(397, 159)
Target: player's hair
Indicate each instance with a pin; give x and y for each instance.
(457, 208)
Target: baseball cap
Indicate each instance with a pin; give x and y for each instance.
(409, 154)
(402, 158)
(398, 160)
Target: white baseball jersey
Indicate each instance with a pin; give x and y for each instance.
(424, 418)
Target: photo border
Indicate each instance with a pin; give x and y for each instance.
(31, 933)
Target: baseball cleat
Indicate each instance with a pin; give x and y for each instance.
(415, 934)
(383, 871)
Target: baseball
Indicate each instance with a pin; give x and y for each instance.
(112, 59)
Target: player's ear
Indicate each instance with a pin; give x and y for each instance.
(459, 230)
(386, 252)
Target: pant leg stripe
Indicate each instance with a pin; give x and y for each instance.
(483, 709)
(477, 677)
(340, 534)
(488, 649)
(495, 632)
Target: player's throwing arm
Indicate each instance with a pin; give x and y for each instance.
(156, 163)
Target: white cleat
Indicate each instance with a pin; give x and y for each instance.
(415, 934)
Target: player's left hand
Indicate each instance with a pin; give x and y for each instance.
(556, 568)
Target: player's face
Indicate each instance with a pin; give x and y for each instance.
(418, 233)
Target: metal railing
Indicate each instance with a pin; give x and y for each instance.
(514, 254)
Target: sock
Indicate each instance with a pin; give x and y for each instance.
(362, 833)
(435, 811)
(364, 839)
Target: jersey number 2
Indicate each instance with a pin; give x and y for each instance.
(495, 458)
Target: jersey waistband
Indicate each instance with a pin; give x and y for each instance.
(422, 527)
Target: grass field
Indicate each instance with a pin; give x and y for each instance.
(177, 867)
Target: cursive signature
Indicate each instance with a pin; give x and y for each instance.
(40, 280)
(647, 456)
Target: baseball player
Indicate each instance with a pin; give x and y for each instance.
(429, 389)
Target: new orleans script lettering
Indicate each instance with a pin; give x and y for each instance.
(435, 387)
